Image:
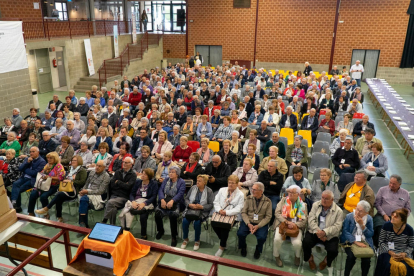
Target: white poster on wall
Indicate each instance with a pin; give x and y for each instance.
(134, 29)
(116, 50)
(89, 59)
(12, 49)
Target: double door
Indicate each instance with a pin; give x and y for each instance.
(212, 54)
(369, 59)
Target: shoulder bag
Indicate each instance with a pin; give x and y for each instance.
(42, 184)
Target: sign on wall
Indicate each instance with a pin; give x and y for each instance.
(12, 49)
(89, 60)
(116, 50)
(134, 29)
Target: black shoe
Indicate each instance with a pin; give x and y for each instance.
(159, 235)
(144, 237)
(173, 242)
(244, 252)
(80, 235)
(18, 209)
(257, 254)
(105, 221)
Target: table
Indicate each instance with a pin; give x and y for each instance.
(141, 267)
(7, 234)
(395, 110)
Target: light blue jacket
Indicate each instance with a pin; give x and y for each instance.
(349, 226)
(382, 159)
(259, 119)
(209, 133)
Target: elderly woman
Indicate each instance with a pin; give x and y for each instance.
(144, 161)
(199, 198)
(251, 154)
(82, 107)
(68, 114)
(324, 183)
(192, 168)
(65, 151)
(144, 125)
(89, 137)
(299, 180)
(327, 103)
(85, 154)
(396, 245)
(103, 137)
(118, 160)
(204, 129)
(101, 154)
(327, 124)
(252, 140)
(76, 178)
(78, 123)
(235, 121)
(161, 146)
(235, 144)
(338, 142)
(8, 126)
(136, 122)
(189, 129)
(183, 151)
(346, 124)
(10, 143)
(48, 122)
(54, 170)
(256, 117)
(170, 201)
(13, 173)
(169, 122)
(242, 112)
(247, 176)
(271, 118)
(297, 154)
(229, 201)
(357, 230)
(215, 120)
(273, 155)
(290, 211)
(32, 117)
(375, 163)
(164, 166)
(105, 124)
(142, 200)
(205, 153)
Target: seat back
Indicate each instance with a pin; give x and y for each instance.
(342, 113)
(356, 120)
(321, 117)
(304, 114)
(377, 182)
(345, 179)
(306, 134)
(84, 119)
(322, 112)
(305, 171)
(323, 136)
(316, 175)
(319, 160)
(288, 133)
(271, 129)
(358, 115)
(284, 140)
(214, 146)
(195, 145)
(321, 146)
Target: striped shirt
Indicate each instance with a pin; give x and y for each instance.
(223, 132)
(403, 243)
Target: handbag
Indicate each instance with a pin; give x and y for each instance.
(362, 252)
(192, 214)
(66, 186)
(42, 184)
(167, 199)
(220, 221)
(285, 231)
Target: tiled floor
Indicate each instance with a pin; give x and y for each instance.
(398, 164)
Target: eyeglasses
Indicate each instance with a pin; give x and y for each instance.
(292, 193)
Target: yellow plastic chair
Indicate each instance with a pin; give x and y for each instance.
(214, 146)
(297, 116)
(306, 134)
(305, 114)
(288, 133)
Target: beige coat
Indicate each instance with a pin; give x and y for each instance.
(333, 220)
(281, 165)
(301, 224)
(160, 169)
(264, 211)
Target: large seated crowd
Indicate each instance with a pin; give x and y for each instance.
(224, 146)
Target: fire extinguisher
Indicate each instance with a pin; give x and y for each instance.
(54, 62)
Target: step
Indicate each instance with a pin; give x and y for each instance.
(89, 82)
(83, 88)
(93, 78)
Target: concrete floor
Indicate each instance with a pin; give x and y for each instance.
(398, 164)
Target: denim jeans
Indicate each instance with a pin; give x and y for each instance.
(261, 235)
(84, 206)
(44, 197)
(21, 185)
(275, 200)
(344, 170)
(197, 228)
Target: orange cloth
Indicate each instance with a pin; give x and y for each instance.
(125, 250)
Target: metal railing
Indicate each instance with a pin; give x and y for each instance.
(115, 66)
(66, 228)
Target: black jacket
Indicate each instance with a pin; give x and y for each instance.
(112, 120)
(191, 175)
(265, 178)
(307, 70)
(315, 124)
(261, 135)
(344, 106)
(324, 105)
(293, 121)
(249, 109)
(121, 186)
(220, 174)
(353, 96)
(46, 147)
(304, 108)
(152, 192)
(181, 120)
(135, 143)
(358, 127)
(83, 109)
(231, 159)
(351, 157)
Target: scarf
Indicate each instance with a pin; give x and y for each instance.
(191, 169)
(234, 148)
(159, 147)
(72, 171)
(9, 142)
(398, 268)
(203, 200)
(170, 188)
(229, 198)
(205, 155)
(100, 157)
(166, 164)
(358, 230)
(296, 211)
(298, 182)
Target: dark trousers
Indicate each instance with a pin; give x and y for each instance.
(383, 266)
(173, 216)
(59, 198)
(44, 197)
(344, 170)
(331, 247)
(350, 262)
(261, 235)
(290, 164)
(21, 185)
(143, 219)
(222, 234)
(275, 200)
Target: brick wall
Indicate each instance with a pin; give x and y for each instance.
(20, 9)
(288, 31)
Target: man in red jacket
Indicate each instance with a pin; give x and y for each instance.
(134, 99)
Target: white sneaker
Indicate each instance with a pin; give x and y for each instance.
(184, 245)
(196, 246)
(219, 253)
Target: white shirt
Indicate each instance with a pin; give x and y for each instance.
(357, 75)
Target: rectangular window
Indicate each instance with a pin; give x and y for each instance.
(62, 10)
(242, 4)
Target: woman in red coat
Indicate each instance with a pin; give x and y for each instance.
(183, 151)
(328, 123)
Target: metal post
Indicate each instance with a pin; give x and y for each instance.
(121, 65)
(147, 40)
(104, 27)
(105, 70)
(70, 30)
(89, 32)
(128, 54)
(48, 34)
(338, 5)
